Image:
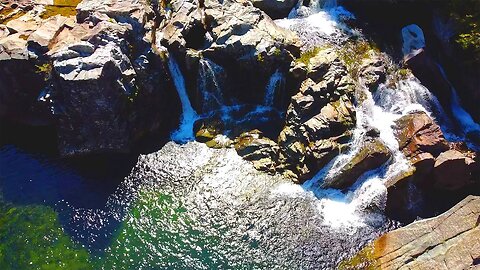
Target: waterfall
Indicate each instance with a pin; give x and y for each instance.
(275, 84)
(469, 128)
(211, 80)
(185, 130)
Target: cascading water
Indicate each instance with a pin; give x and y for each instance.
(469, 128)
(211, 83)
(275, 84)
(185, 130)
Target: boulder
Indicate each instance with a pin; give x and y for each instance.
(453, 170)
(418, 134)
(449, 241)
(262, 151)
(372, 155)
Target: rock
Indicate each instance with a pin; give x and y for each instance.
(413, 39)
(235, 35)
(373, 72)
(449, 241)
(42, 38)
(372, 155)
(417, 133)
(453, 170)
(134, 12)
(276, 9)
(319, 117)
(262, 151)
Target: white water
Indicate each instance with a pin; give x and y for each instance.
(210, 85)
(275, 84)
(184, 132)
(467, 124)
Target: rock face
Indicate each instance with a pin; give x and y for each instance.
(319, 117)
(449, 241)
(438, 167)
(95, 74)
(233, 34)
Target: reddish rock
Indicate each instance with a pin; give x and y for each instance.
(453, 170)
(418, 134)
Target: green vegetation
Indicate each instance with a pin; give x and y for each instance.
(307, 55)
(31, 237)
(45, 69)
(467, 15)
(353, 53)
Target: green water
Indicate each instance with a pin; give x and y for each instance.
(158, 233)
(31, 237)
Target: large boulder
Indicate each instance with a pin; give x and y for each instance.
(420, 139)
(262, 151)
(372, 155)
(453, 170)
(449, 241)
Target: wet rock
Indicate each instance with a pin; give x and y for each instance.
(263, 152)
(319, 118)
(453, 170)
(373, 72)
(276, 9)
(449, 241)
(372, 155)
(418, 134)
(235, 35)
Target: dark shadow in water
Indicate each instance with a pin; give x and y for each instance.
(31, 172)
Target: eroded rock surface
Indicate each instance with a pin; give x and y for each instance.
(449, 241)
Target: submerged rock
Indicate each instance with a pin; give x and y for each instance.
(449, 241)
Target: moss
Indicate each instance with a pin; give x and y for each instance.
(45, 69)
(353, 53)
(364, 260)
(65, 8)
(31, 237)
(307, 55)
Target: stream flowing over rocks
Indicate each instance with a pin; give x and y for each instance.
(231, 134)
